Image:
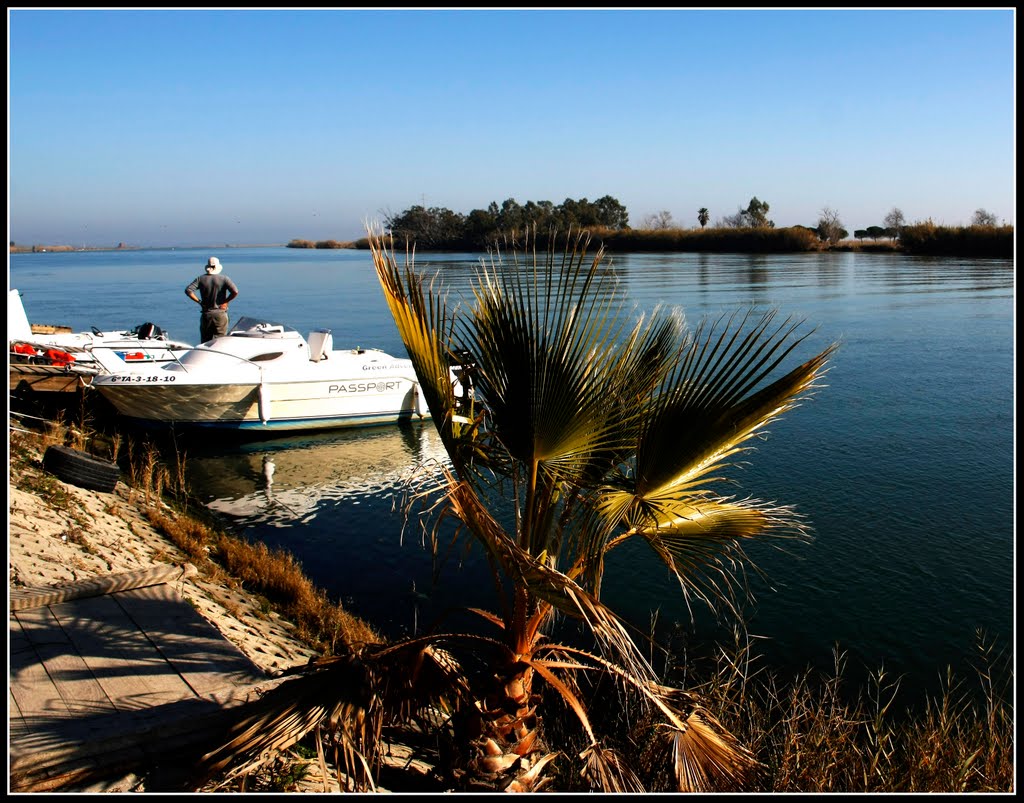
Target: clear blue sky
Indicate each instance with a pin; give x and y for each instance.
(195, 127)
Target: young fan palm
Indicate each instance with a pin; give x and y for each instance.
(598, 430)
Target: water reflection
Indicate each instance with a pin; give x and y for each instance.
(285, 482)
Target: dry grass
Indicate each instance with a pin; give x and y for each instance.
(813, 734)
(927, 238)
(275, 575)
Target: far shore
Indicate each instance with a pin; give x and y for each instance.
(919, 239)
(42, 249)
(845, 245)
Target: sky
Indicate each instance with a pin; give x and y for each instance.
(257, 126)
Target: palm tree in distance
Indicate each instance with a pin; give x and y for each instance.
(598, 431)
(703, 216)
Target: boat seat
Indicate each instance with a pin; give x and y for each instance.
(321, 343)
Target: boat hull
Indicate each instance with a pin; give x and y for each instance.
(280, 407)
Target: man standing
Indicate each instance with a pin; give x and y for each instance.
(216, 291)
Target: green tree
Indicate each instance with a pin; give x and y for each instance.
(541, 214)
(586, 431)
(435, 227)
(511, 217)
(874, 232)
(756, 214)
(481, 225)
(703, 216)
(610, 212)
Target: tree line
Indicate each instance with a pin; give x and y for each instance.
(441, 228)
(749, 229)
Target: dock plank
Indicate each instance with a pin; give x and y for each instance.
(133, 680)
(206, 661)
(69, 674)
(132, 674)
(29, 683)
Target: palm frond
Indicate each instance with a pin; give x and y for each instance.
(701, 754)
(542, 352)
(425, 325)
(705, 757)
(700, 540)
(639, 365)
(284, 715)
(352, 698)
(608, 771)
(709, 407)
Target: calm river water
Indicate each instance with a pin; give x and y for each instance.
(903, 464)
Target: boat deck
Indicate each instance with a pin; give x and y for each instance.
(115, 677)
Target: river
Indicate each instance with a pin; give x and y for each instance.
(903, 464)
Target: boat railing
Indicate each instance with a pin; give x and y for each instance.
(238, 358)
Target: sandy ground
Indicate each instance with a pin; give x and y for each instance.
(48, 547)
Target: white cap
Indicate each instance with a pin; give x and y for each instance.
(213, 265)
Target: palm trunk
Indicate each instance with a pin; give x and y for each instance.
(507, 752)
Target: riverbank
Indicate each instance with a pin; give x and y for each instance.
(59, 533)
(919, 239)
(64, 534)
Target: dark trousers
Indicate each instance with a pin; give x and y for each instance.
(213, 323)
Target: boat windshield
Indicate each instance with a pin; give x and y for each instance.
(254, 326)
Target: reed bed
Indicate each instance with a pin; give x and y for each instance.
(813, 733)
(724, 239)
(927, 239)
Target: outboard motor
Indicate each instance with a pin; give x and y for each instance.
(148, 331)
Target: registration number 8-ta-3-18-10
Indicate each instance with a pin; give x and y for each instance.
(139, 378)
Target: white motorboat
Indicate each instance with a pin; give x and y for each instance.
(265, 376)
(41, 348)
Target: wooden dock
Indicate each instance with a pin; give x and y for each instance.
(45, 378)
(115, 676)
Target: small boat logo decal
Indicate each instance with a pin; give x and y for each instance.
(134, 356)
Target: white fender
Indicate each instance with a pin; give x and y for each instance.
(420, 402)
(264, 400)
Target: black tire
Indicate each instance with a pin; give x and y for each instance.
(81, 469)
